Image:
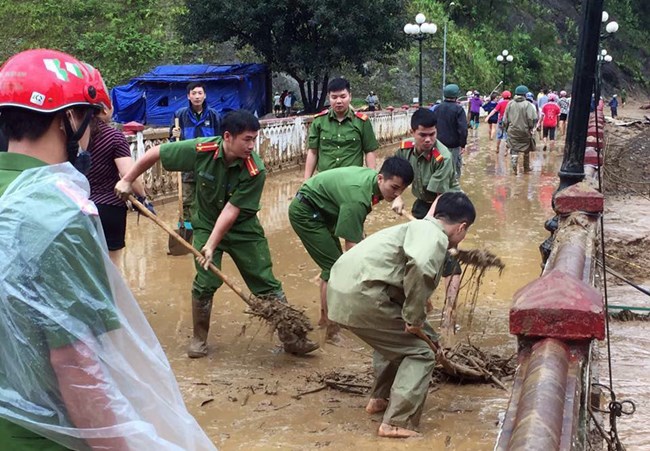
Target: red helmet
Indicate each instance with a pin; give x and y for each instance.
(506, 94)
(48, 81)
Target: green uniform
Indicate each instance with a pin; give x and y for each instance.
(519, 120)
(378, 287)
(217, 183)
(68, 243)
(341, 144)
(434, 173)
(332, 205)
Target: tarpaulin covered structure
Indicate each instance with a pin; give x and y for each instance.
(153, 98)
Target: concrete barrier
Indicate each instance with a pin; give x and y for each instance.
(557, 319)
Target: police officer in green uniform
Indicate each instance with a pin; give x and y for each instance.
(431, 161)
(339, 137)
(378, 290)
(334, 204)
(230, 180)
(434, 174)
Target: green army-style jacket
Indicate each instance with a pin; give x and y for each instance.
(341, 144)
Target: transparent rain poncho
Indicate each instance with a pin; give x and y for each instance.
(79, 363)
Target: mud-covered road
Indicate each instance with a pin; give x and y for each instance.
(244, 393)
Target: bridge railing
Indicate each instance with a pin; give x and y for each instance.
(282, 144)
(557, 320)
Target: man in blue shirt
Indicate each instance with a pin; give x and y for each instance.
(194, 121)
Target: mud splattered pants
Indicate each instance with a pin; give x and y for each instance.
(403, 365)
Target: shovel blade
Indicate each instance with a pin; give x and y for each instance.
(176, 248)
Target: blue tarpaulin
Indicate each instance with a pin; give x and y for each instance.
(153, 98)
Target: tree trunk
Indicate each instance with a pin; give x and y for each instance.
(323, 93)
(311, 100)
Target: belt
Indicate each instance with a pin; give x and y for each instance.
(305, 200)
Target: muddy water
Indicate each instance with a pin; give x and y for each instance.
(242, 393)
(627, 228)
(630, 347)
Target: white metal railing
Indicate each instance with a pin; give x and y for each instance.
(282, 144)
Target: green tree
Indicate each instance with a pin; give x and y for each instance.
(304, 38)
(120, 37)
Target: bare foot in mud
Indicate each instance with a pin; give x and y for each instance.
(376, 405)
(386, 430)
(333, 333)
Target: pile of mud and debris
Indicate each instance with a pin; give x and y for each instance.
(493, 368)
(627, 161)
(626, 183)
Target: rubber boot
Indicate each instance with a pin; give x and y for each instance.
(513, 163)
(296, 345)
(527, 162)
(291, 342)
(201, 310)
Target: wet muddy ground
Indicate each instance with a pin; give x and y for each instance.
(245, 394)
(627, 251)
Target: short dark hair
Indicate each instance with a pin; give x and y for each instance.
(239, 121)
(195, 84)
(454, 208)
(423, 117)
(338, 84)
(397, 167)
(493, 96)
(20, 123)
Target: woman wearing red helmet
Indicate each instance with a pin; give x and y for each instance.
(81, 368)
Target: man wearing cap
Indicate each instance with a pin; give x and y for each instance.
(452, 125)
(519, 121)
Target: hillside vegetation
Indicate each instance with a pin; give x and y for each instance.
(125, 38)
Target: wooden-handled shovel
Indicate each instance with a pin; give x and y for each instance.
(278, 315)
(172, 244)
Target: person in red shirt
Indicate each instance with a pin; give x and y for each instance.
(500, 109)
(548, 118)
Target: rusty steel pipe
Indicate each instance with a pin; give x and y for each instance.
(538, 423)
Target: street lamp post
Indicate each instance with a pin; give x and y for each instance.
(444, 50)
(601, 59)
(585, 70)
(419, 31)
(504, 59)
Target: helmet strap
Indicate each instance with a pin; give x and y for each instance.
(73, 137)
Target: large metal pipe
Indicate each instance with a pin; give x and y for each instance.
(540, 410)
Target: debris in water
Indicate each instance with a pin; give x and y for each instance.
(629, 315)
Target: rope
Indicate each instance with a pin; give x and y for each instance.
(627, 262)
(615, 408)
